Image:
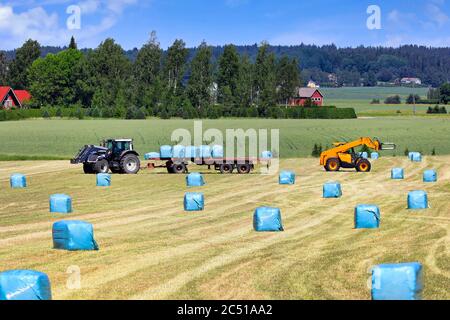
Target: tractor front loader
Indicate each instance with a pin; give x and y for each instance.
(343, 155)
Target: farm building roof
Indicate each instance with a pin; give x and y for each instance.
(23, 95)
(3, 92)
(20, 96)
(308, 92)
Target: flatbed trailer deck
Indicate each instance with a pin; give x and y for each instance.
(224, 165)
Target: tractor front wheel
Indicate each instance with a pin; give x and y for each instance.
(87, 168)
(101, 166)
(363, 165)
(130, 164)
(333, 164)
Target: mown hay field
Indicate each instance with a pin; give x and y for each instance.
(151, 249)
(41, 139)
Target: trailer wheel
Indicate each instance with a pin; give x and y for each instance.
(179, 168)
(226, 168)
(244, 168)
(87, 168)
(101, 166)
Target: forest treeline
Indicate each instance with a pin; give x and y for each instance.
(203, 82)
(352, 66)
(164, 84)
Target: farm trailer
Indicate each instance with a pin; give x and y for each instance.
(243, 165)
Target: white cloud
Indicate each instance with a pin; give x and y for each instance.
(437, 15)
(50, 29)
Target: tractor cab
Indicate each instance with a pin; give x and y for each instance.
(117, 146)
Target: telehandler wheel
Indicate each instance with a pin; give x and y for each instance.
(226, 168)
(87, 168)
(363, 165)
(101, 166)
(130, 164)
(244, 168)
(179, 168)
(333, 164)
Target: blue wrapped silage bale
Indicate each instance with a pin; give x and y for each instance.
(367, 216)
(194, 201)
(286, 178)
(18, 181)
(205, 152)
(415, 156)
(332, 190)
(430, 176)
(192, 152)
(217, 152)
(103, 180)
(402, 281)
(364, 155)
(152, 155)
(60, 203)
(165, 152)
(178, 152)
(374, 155)
(397, 174)
(195, 179)
(24, 285)
(417, 200)
(267, 155)
(73, 236)
(266, 219)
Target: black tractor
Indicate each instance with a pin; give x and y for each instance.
(116, 155)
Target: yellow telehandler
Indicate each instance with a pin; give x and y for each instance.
(343, 155)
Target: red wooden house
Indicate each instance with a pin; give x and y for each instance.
(307, 93)
(10, 98)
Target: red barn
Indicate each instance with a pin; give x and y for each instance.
(307, 93)
(10, 98)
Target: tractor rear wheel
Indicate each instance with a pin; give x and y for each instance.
(87, 168)
(101, 166)
(333, 164)
(363, 165)
(226, 168)
(130, 164)
(244, 168)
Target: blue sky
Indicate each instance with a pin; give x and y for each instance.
(288, 22)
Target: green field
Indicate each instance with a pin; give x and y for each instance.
(359, 98)
(151, 249)
(369, 93)
(63, 138)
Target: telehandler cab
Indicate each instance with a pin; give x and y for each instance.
(343, 155)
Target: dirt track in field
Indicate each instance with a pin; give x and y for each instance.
(151, 249)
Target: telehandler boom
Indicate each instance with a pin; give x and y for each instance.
(343, 155)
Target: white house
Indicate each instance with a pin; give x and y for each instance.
(416, 81)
